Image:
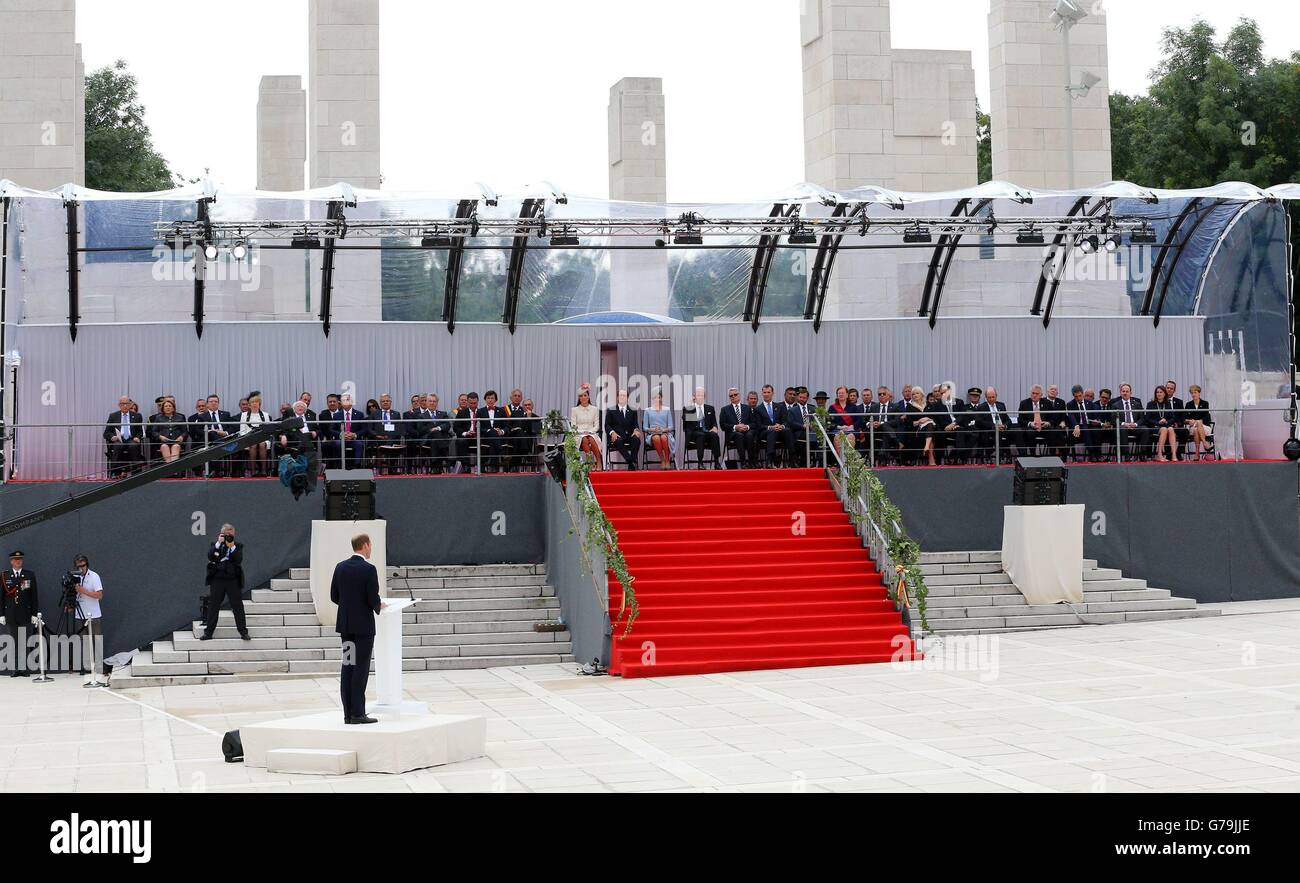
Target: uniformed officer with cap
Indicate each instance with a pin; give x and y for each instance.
(18, 608)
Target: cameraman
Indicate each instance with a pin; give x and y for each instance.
(225, 580)
(89, 589)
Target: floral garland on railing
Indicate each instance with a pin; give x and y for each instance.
(904, 551)
(600, 530)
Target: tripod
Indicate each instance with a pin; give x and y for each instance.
(71, 622)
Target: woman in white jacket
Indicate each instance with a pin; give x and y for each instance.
(259, 454)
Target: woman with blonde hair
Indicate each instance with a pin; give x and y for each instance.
(585, 418)
(249, 420)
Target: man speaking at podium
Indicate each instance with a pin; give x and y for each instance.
(355, 589)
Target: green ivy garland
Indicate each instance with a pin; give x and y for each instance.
(904, 551)
(599, 527)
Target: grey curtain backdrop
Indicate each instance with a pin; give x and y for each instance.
(1221, 532)
(145, 546)
(61, 382)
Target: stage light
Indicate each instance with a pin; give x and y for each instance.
(210, 251)
(1291, 448)
(305, 240)
(1112, 243)
(1030, 236)
(564, 240)
(239, 252)
(1087, 79)
(435, 239)
(1089, 244)
(688, 237)
(659, 243)
(1144, 235)
(1067, 13)
(916, 236)
(802, 236)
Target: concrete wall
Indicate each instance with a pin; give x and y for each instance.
(39, 97)
(935, 140)
(1027, 79)
(343, 81)
(281, 133)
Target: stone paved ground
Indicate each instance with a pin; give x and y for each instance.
(1193, 705)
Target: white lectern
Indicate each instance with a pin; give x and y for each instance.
(1042, 552)
(388, 661)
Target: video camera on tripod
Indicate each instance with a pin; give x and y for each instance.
(69, 601)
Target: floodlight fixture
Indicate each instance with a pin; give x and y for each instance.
(1030, 236)
(1067, 14)
(917, 235)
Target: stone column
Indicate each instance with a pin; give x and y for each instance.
(343, 79)
(637, 173)
(281, 133)
(38, 93)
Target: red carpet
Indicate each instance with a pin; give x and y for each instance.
(726, 583)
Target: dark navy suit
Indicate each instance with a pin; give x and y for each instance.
(355, 589)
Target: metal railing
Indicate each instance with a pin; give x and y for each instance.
(96, 451)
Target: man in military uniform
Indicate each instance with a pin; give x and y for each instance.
(18, 608)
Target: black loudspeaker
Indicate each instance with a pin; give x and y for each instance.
(232, 747)
(1040, 481)
(349, 495)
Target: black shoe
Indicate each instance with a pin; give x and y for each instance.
(205, 637)
(361, 720)
(246, 636)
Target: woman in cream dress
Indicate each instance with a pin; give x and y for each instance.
(254, 417)
(585, 418)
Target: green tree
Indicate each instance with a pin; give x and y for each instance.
(120, 155)
(984, 144)
(1216, 111)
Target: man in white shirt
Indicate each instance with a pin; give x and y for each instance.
(90, 591)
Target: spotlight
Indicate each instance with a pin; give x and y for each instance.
(210, 251)
(659, 243)
(1030, 236)
(1112, 243)
(1087, 79)
(1089, 244)
(688, 237)
(436, 240)
(1291, 448)
(802, 236)
(916, 236)
(305, 240)
(1067, 13)
(239, 252)
(1143, 235)
(564, 240)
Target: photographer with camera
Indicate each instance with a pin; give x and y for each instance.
(83, 590)
(18, 608)
(225, 580)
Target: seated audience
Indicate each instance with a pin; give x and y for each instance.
(623, 431)
(492, 428)
(774, 432)
(657, 428)
(168, 431)
(1162, 419)
(1130, 420)
(737, 421)
(1200, 424)
(585, 420)
(124, 432)
(251, 417)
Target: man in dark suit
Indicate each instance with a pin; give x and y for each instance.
(700, 428)
(225, 580)
(772, 426)
(737, 421)
(492, 429)
(385, 440)
(1180, 418)
(18, 609)
(416, 425)
(996, 434)
(947, 417)
(1037, 424)
(327, 428)
(517, 430)
(1130, 417)
(355, 589)
(623, 431)
(350, 431)
(968, 420)
(300, 437)
(124, 432)
(1083, 419)
(440, 434)
(465, 427)
(217, 426)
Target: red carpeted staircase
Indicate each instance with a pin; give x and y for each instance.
(727, 583)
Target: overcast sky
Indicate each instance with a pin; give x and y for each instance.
(510, 92)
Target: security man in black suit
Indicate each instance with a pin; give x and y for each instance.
(623, 431)
(18, 609)
(772, 424)
(225, 580)
(355, 589)
(700, 427)
(124, 432)
(738, 427)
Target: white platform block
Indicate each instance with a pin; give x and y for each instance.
(331, 542)
(394, 745)
(313, 761)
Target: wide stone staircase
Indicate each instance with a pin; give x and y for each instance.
(970, 594)
(471, 617)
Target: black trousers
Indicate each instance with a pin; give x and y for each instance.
(125, 455)
(354, 674)
(772, 436)
(746, 445)
(20, 630)
(629, 446)
(229, 589)
(702, 440)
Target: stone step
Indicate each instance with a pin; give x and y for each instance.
(1015, 598)
(261, 596)
(485, 616)
(281, 584)
(134, 678)
(993, 625)
(444, 570)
